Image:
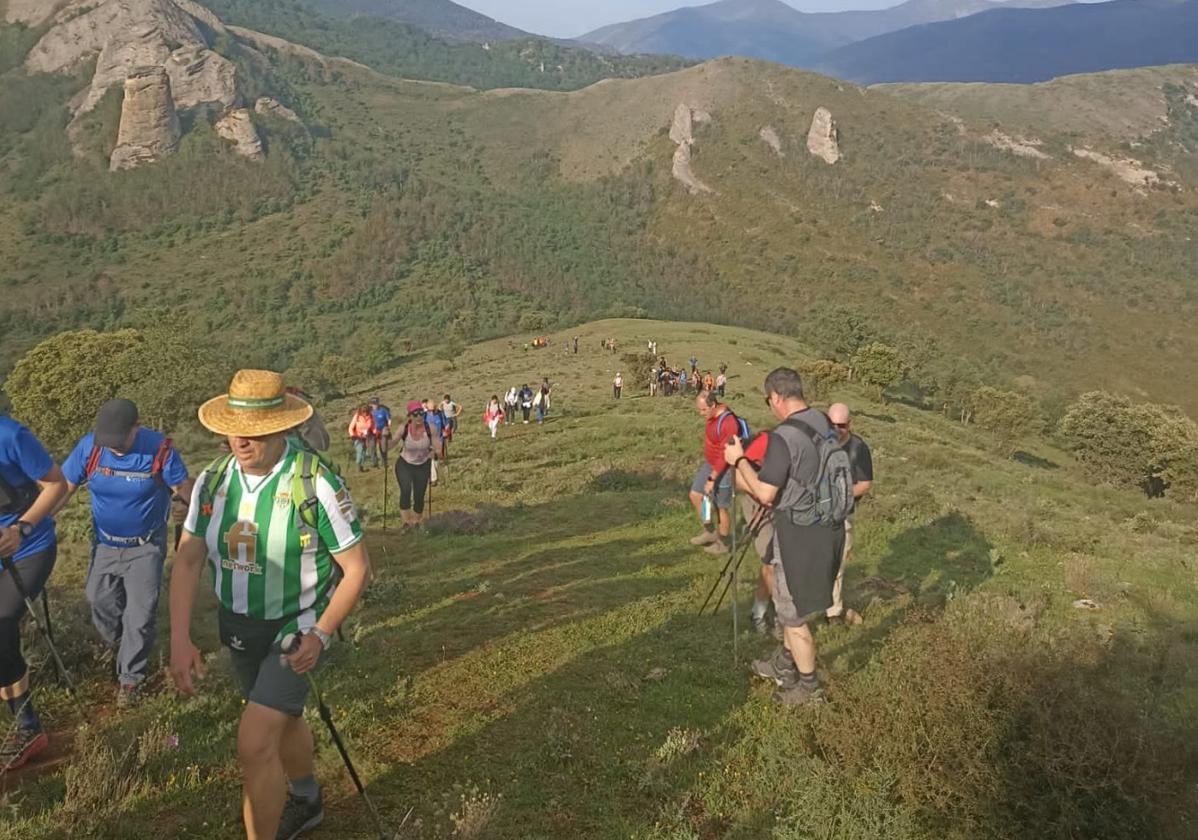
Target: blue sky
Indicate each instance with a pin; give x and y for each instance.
(568, 18)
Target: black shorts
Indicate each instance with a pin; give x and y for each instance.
(262, 674)
(810, 556)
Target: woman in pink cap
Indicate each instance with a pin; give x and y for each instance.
(413, 468)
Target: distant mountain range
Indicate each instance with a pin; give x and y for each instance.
(442, 18)
(1023, 45)
(774, 31)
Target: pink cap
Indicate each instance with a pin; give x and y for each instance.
(414, 406)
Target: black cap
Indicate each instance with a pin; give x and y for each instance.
(114, 422)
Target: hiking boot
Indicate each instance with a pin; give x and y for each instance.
(799, 695)
(300, 815)
(706, 538)
(127, 695)
(761, 625)
(21, 745)
(779, 668)
(717, 547)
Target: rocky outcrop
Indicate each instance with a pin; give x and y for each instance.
(268, 107)
(122, 35)
(1021, 146)
(682, 132)
(1126, 169)
(201, 77)
(149, 127)
(771, 138)
(29, 12)
(238, 127)
(823, 140)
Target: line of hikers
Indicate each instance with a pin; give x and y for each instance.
(669, 381)
(272, 518)
(800, 484)
(525, 401)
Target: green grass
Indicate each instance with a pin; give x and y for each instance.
(497, 676)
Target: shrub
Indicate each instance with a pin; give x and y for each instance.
(637, 369)
(1147, 446)
(819, 377)
(878, 365)
(1005, 414)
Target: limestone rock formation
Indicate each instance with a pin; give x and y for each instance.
(149, 127)
(1126, 169)
(274, 108)
(771, 138)
(238, 126)
(201, 77)
(682, 132)
(823, 140)
(1021, 146)
(122, 35)
(29, 12)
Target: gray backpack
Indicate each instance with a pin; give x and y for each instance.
(829, 500)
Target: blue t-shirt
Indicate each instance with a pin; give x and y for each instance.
(382, 416)
(436, 422)
(127, 501)
(24, 460)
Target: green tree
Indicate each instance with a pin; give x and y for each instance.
(1008, 415)
(819, 377)
(343, 372)
(879, 366)
(57, 387)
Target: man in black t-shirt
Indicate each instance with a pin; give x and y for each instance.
(807, 556)
(863, 478)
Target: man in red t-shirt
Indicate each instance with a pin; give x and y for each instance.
(713, 476)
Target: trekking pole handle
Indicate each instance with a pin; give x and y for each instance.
(290, 643)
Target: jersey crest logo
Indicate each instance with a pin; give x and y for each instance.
(236, 643)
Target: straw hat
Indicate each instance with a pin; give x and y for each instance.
(257, 404)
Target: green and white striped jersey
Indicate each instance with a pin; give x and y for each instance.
(267, 565)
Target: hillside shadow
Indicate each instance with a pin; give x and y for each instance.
(1030, 460)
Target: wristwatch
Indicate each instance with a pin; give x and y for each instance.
(324, 637)
(25, 529)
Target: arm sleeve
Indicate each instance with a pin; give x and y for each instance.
(337, 522)
(776, 466)
(174, 471)
(863, 464)
(75, 466)
(31, 457)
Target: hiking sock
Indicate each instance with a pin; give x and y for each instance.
(22, 709)
(809, 681)
(760, 608)
(305, 788)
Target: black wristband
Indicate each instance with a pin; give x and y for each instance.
(736, 463)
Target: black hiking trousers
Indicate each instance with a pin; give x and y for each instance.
(413, 483)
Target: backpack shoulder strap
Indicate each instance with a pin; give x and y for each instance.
(93, 463)
(303, 490)
(212, 477)
(159, 463)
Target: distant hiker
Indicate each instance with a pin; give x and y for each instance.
(131, 473)
(713, 478)
(31, 486)
(543, 400)
(575, 345)
(862, 464)
(723, 367)
(682, 381)
(285, 544)
(708, 382)
(380, 439)
(654, 378)
(694, 362)
(806, 477)
(420, 445)
(526, 398)
(313, 432)
(452, 411)
(617, 385)
(361, 432)
(435, 419)
(721, 382)
(493, 415)
(511, 404)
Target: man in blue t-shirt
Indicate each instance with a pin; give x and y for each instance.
(131, 473)
(30, 487)
(381, 443)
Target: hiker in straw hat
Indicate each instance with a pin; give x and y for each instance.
(286, 548)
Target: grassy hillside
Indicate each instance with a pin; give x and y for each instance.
(503, 677)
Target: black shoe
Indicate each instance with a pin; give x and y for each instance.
(300, 815)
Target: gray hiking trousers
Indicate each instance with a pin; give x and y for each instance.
(122, 587)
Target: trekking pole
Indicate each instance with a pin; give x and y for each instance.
(734, 581)
(754, 528)
(753, 533)
(386, 485)
(290, 645)
(42, 626)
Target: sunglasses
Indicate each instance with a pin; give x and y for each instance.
(841, 425)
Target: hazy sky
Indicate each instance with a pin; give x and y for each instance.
(568, 18)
